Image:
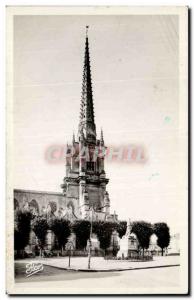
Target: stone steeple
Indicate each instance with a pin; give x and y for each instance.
(87, 123)
(84, 185)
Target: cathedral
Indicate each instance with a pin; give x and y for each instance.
(84, 184)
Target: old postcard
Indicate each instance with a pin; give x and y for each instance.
(97, 150)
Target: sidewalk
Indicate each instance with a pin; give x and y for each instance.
(99, 264)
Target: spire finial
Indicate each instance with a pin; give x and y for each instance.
(87, 27)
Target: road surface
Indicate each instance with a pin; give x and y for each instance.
(73, 281)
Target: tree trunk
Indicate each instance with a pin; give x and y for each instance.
(143, 252)
(162, 251)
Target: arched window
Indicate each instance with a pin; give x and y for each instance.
(16, 204)
(53, 206)
(33, 205)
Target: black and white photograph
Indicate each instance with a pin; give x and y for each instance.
(97, 150)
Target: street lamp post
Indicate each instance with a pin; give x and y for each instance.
(90, 240)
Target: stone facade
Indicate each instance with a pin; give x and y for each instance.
(40, 202)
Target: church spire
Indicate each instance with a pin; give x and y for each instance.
(101, 137)
(87, 123)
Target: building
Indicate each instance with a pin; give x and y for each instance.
(84, 184)
(174, 247)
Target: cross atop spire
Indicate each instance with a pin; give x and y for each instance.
(87, 110)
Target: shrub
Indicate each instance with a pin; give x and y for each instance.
(104, 231)
(22, 229)
(161, 230)
(61, 229)
(82, 230)
(40, 228)
(143, 232)
(121, 228)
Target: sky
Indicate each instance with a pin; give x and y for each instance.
(135, 76)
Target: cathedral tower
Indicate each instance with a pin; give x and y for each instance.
(84, 185)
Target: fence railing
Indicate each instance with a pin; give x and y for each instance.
(132, 257)
(57, 253)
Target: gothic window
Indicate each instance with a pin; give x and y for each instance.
(90, 165)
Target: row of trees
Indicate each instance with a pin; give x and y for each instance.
(144, 231)
(62, 228)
